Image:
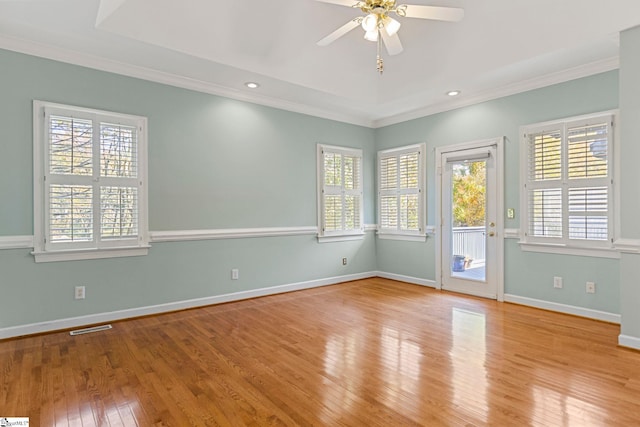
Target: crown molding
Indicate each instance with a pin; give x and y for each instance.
(98, 63)
(562, 76)
(102, 64)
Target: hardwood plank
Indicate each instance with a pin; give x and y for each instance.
(373, 352)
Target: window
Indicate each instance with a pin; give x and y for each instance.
(401, 202)
(339, 193)
(90, 183)
(568, 182)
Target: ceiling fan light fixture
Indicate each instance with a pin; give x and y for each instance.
(372, 36)
(391, 26)
(370, 22)
(382, 29)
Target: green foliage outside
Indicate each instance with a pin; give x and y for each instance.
(469, 195)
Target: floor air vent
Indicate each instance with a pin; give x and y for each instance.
(90, 330)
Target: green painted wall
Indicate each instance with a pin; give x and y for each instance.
(220, 163)
(213, 163)
(630, 178)
(526, 274)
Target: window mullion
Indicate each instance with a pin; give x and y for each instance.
(46, 176)
(564, 155)
(343, 224)
(397, 193)
(96, 182)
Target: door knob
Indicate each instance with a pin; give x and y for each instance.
(491, 234)
(492, 224)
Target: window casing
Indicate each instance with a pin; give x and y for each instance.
(401, 198)
(90, 195)
(567, 167)
(340, 195)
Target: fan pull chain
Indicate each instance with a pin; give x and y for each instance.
(379, 61)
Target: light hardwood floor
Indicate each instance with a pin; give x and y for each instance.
(368, 353)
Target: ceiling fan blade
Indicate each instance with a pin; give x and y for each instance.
(340, 32)
(348, 3)
(392, 43)
(452, 14)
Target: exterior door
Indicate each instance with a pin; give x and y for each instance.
(469, 226)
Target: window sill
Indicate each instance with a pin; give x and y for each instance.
(404, 237)
(84, 254)
(569, 250)
(340, 238)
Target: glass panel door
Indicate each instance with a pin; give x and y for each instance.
(468, 212)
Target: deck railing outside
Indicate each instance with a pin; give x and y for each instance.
(470, 242)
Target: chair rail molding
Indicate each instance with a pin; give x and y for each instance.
(16, 242)
(631, 246)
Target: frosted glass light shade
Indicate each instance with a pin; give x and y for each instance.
(370, 22)
(372, 36)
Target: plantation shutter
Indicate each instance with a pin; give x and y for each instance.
(568, 185)
(544, 186)
(400, 190)
(341, 192)
(119, 212)
(70, 180)
(588, 188)
(91, 178)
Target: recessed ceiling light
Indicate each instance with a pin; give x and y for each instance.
(252, 85)
(454, 92)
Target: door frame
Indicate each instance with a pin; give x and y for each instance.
(498, 143)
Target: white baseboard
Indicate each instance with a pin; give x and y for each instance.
(73, 322)
(408, 279)
(629, 341)
(564, 308)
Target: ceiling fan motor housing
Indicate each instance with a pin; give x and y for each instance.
(377, 6)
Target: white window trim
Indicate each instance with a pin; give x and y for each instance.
(419, 235)
(343, 235)
(597, 249)
(41, 252)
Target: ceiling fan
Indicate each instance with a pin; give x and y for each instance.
(378, 25)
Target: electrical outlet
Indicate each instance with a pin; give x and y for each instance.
(557, 282)
(235, 274)
(591, 288)
(80, 292)
(344, 261)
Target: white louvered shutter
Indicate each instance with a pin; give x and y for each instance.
(119, 212)
(400, 195)
(91, 181)
(588, 181)
(569, 182)
(341, 192)
(544, 186)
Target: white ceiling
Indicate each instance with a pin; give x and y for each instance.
(500, 47)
